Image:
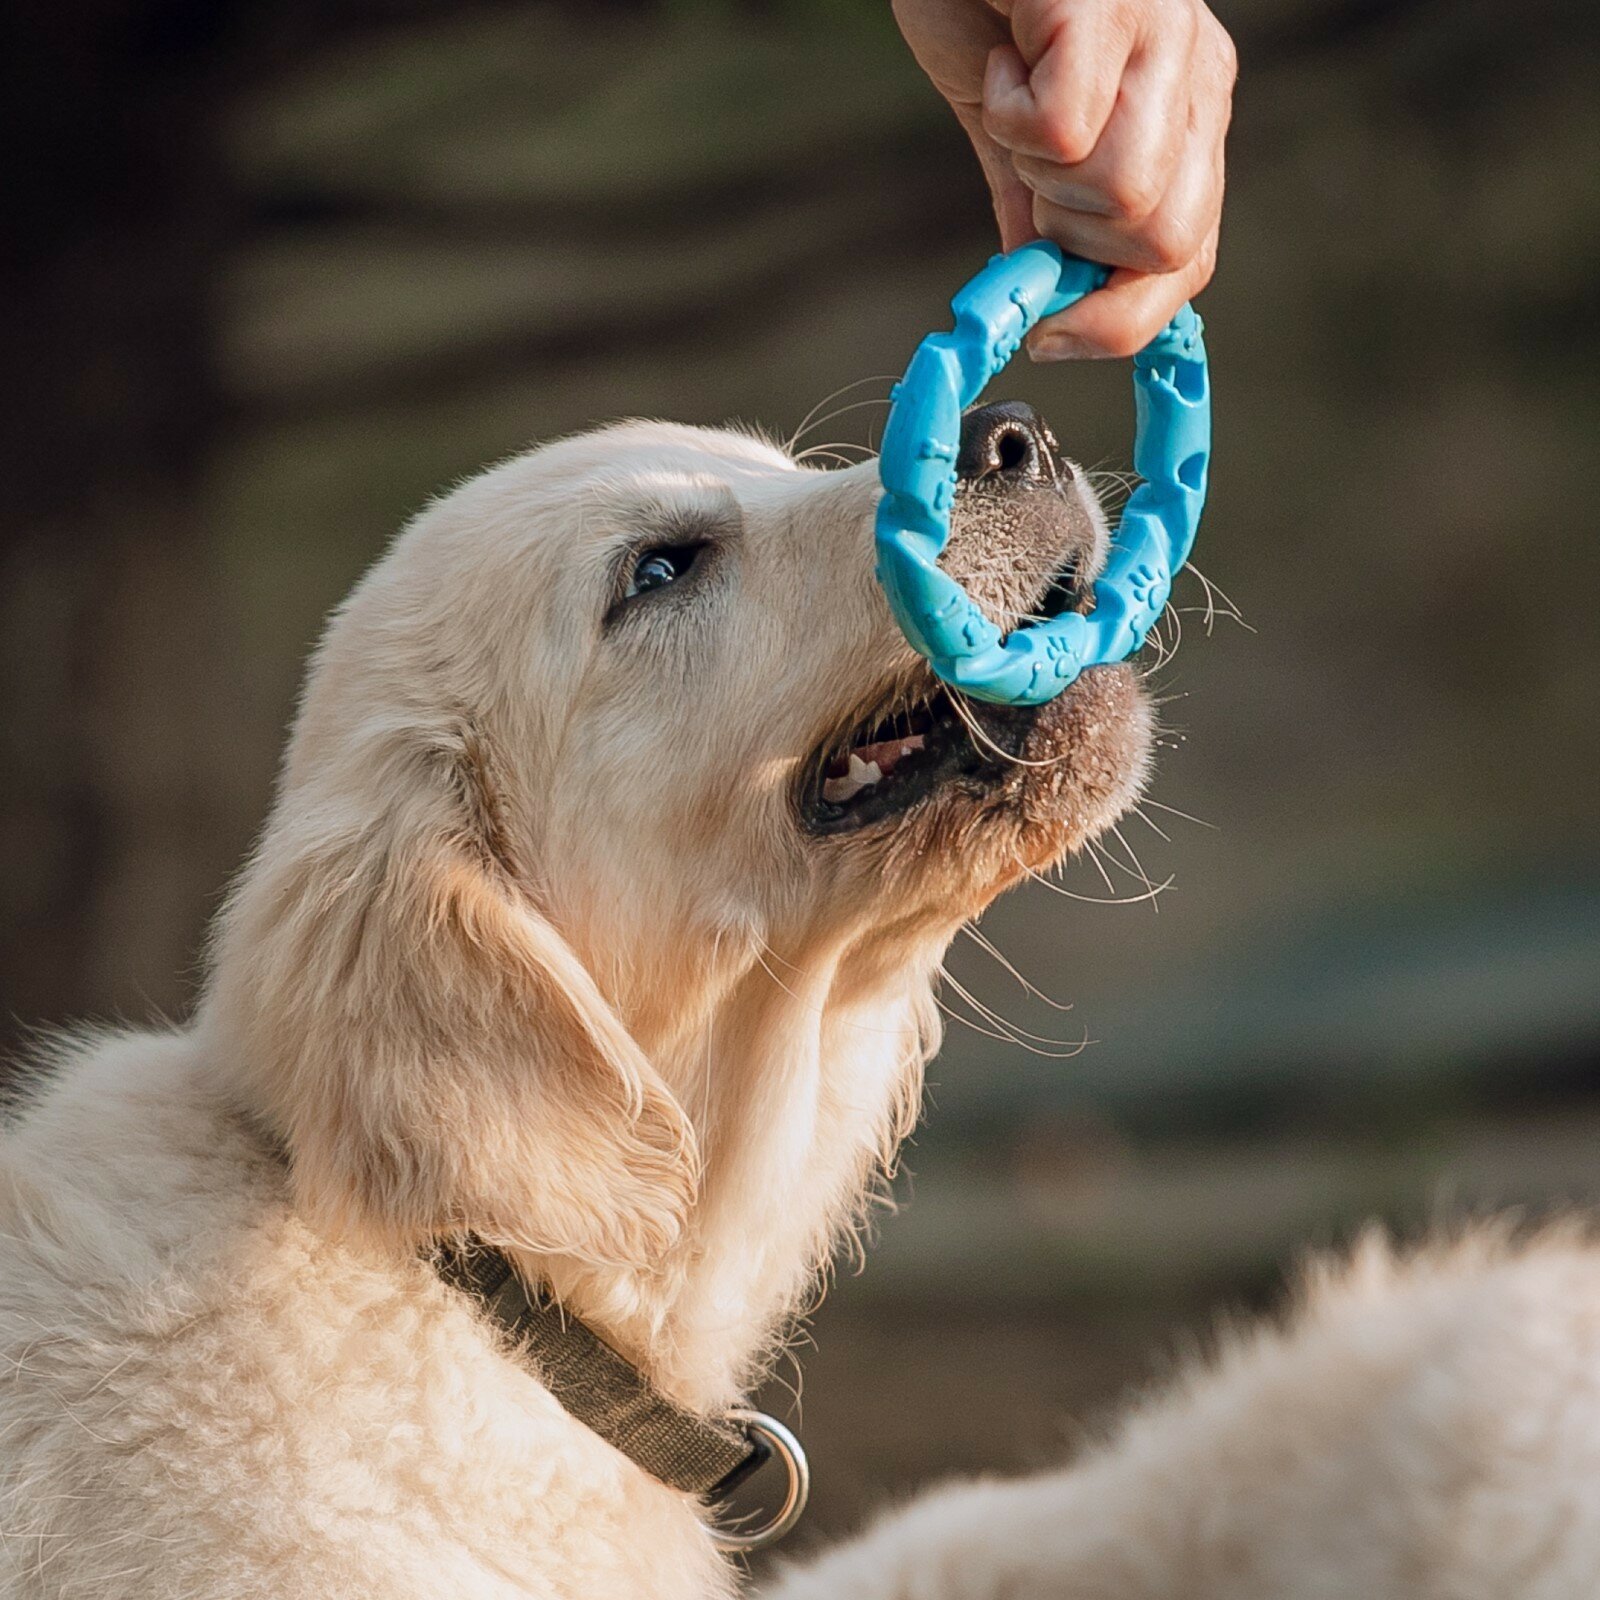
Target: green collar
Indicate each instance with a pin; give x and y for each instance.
(608, 1394)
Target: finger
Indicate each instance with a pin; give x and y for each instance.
(1133, 307)
(1057, 107)
(1136, 159)
(1122, 318)
(1168, 238)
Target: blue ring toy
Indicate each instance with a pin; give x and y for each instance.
(1171, 453)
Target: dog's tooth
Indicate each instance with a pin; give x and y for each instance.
(862, 775)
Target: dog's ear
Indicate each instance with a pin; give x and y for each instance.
(429, 1049)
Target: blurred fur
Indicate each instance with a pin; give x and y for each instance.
(534, 946)
(1422, 1427)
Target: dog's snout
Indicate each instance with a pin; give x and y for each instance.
(1006, 443)
(1024, 525)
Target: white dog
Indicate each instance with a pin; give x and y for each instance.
(1422, 1429)
(613, 857)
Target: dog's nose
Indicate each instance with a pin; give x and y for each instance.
(1006, 443)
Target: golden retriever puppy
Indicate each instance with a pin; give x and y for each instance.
(1420, 1429)
(614, 852)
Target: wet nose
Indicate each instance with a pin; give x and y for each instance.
(1006, 443)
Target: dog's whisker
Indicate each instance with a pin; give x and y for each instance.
(1139, 812)
(835, 452)
(1093, 856)
(1215, 592)
(1113, 492)
(975, 729)
(807, 421)
(1174, 811)
(1210, 613)
(1133, 856)
(834, 457)
(990, 1015)
(1096, 900)
(1112, 859)
(1166, 648)
(1011, 1039)
(845, 410)
(984, 943)
(834, 444)
(972, 1027)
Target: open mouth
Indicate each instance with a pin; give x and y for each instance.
(915, 745)
(895, 758)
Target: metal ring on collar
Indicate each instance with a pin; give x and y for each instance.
(789, 1451)
(1171, 452)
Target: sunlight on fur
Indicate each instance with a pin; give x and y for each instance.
(550, 937)
(1421, 1427)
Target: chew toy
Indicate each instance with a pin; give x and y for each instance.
(1171, 452)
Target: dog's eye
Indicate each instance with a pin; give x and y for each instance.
(659, 566)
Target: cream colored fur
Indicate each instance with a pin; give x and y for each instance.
(531, 946)
(1422, 1429)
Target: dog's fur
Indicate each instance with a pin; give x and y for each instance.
(534, 946)
(1424, 1428)
(537, 946)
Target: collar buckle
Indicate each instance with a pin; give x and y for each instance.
(698, 1455)
(769, 1438)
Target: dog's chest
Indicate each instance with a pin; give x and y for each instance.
(273, 1415)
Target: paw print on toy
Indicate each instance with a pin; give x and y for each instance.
(1148, 587)
(975, 628)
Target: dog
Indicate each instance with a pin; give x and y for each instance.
(1424, 1426)
(595, 924)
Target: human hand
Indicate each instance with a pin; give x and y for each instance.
(1099, 125)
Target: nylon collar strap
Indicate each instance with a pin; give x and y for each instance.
(596, 1385)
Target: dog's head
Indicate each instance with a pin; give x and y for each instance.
(614, 768)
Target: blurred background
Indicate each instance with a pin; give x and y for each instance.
(272, 275)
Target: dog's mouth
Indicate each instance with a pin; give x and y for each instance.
(1026, 539)
(917, 744)
(886, 764)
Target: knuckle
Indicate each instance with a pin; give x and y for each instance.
(1066, 138)
(1130, 196)
(1168, 242)
(997, 126)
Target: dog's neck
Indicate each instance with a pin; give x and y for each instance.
(436, 1056)
(800, 1093)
